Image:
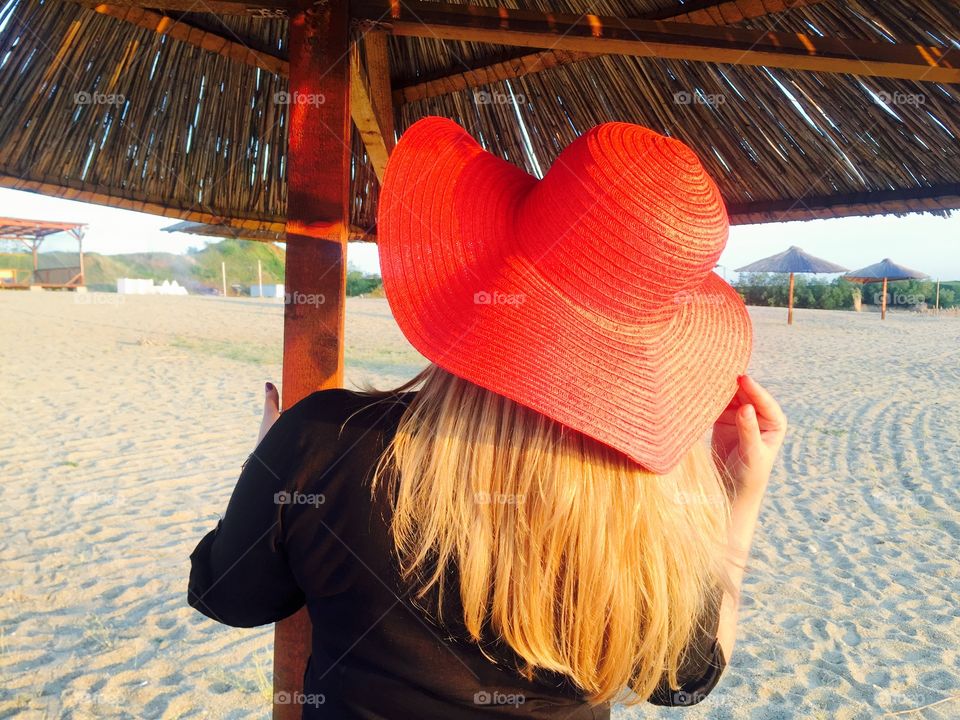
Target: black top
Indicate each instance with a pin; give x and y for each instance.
(302, 528)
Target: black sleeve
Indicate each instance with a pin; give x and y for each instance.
(239, 574)
(701, 666)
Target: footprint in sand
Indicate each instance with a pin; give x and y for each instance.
(850, 635)
(113, 593)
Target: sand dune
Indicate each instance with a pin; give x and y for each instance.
(126, 419)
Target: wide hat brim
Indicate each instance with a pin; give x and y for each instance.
(471, 300)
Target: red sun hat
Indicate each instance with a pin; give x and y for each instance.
(588, 296)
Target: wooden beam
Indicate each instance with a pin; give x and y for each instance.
(937, 198)
(374, 118)
(646, 38)
(706, 13)
(726, 12)
(506, 70)
(74, 191)
(12, 227)
(179, 30)
(366, 115)
(255, 8)
(318, 218)
(227, 231)
(378, 75)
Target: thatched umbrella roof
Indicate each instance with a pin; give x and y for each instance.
(792, 260)
(886, 269)
(841, 109)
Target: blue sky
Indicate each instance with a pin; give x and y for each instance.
(923, 242)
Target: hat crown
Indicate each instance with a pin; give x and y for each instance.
(625, 222)
(540, 304)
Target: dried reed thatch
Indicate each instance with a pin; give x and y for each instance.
(792, 260)
(192, 123)
(886, 269)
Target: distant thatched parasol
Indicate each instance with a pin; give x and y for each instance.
(884, 270)
(792, 260)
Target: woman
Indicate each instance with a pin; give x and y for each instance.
(532, 527)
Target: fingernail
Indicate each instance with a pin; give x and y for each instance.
(269, 387)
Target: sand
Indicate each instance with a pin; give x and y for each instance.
(126, 419)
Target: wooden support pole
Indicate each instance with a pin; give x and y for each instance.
(34, 246)
(223, 272)
(317, 227)
(790, 302)
(883, 301)
(83, 278)
(937, 306)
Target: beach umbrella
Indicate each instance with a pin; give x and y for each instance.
(884, 270)
(792, 260)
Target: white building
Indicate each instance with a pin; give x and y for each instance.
(142, 286)
(269, 291)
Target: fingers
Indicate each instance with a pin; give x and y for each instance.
(767, 409)
(729, 413)
(748, 434)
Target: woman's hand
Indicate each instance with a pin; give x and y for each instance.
(746, 439)
(748, 436)
(271, 409)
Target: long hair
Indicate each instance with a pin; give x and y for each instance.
(583, 562)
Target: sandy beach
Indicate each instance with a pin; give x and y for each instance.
(126, 420)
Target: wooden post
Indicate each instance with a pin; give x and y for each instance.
(937, 307)
(223, 272)
(79, 235)
(33, 246)
(260, 276)
(883, 301)
(318, 177)
(790, 302)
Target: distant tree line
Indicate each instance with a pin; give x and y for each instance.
(359, 283)
(770, 289)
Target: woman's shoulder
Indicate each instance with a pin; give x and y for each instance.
(337, 428)
(357, 409)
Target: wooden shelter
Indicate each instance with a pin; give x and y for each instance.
(278, 116)
(32, 233)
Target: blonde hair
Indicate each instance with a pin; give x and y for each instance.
(584, 563)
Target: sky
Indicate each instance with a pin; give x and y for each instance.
(919, 241)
